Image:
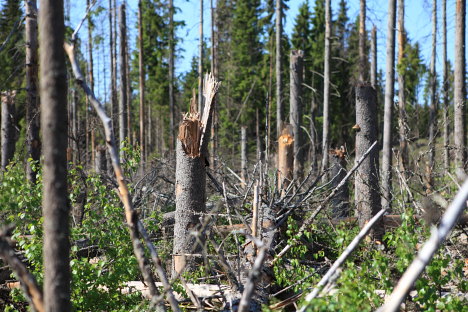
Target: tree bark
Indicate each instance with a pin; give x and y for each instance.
(459, 88)
(91, 115)
(244, 153)
(374, 57)
(367, 181)
(53, 88)
(7, 128)
(214, 70)
(142, 82)
(388, 108)
(123, 131)
(114, 110)
(326, 87)
(200, 62)
(433, 109)
(362, 42)
(279, 86)
(296, 110)
(33, 143)
(171, 75)
(340, 202)
(445, 87)
(101, 161)
(285, 158)
(402, 124)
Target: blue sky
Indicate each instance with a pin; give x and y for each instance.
(417, 22)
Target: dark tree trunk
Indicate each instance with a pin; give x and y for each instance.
(459, 89)
(279, 86)
(7, 131)
(367, 181)
(402, 124)
(123, 131)
(142, 82)
(296, 111)
(433, 109)
(445, 87)
(33, 144)
(388, 109)
(53, 83)
(171, 75)
(340, 202)
(101, 161)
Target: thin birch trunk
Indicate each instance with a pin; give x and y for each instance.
(33, 143)
(388, 108)
(53, 88)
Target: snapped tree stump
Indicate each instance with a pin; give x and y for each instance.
(285, 158)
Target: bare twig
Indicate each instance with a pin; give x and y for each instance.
(449, 219)
(130, 213)
(28, 282)
(309, 220)
(341, 259)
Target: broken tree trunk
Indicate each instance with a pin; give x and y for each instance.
(367, 181)
(191, 154)
(7, 131)
(285, 158)
(33, 145)
(296, 106)
(340, 202)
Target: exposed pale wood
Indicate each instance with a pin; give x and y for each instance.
(402, 123)
(285, 158)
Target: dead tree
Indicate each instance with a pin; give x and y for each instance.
(33, 144)
(340, 202)
(326, 88)
(141, 82)
(191, 155)
(101, 161)
(403, 152)
(362, 41)
(459, 88)
(279, 87)
(123, 131)
(244, 154)
(90, 115)
(388, 108)
(200, 61)
(7, 127)
(373, 72)
(171, 76)
(285, 158)
(53, 88)
(366, 184)
(296, 108)
(445, 87)
(113, 66)
(433, 108)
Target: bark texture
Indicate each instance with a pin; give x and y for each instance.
(285, 158)
(53, 86)
(141, 82)
(402, 124)
(33, 144)
(296, 110)
(367, 181)
(373, 79)
(445, 87)
(326, 87)
(388, 108)
(362, 42)
(459, 88)
(171, 75)
(340, 202)
(433, 108)
(244, 153)
(279, 86)
(200, 62)
(123, 131)
(7, 128)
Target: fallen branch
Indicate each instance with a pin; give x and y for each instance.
(332, 272)
(130, 213)
(449, 219)
(28, 282)
(309, 220)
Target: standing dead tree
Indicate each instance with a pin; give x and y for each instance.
(362, 42)
(123, 131)
(433, 108)
(388, 108)
(53, 88)
(191, 157)
(326, 87)
(279, 86)
(296, 105)
(7, 128)
(141, 75)
(445, 86)
(459, 89)
(367, 181)
(402, 130)
(32, 107)
(285, 158)
(131, 215)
